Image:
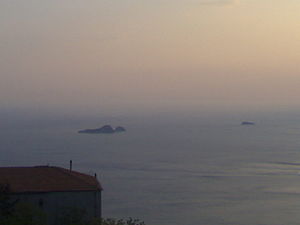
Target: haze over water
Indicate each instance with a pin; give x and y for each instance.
(180, 76)
(136, 56)
(175, 169)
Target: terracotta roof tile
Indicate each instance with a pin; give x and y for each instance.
(46, 179)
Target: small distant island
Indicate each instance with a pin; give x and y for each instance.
(247, 123)
(107, 129)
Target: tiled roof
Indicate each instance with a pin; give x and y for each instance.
(46, 179)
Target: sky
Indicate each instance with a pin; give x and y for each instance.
(127, 56)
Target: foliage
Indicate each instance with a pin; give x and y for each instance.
(73, 216)
(13, 212)
(27, 214)
(111, 221)
(76, 216)
(6, 204)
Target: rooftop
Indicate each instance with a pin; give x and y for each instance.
(46, 179)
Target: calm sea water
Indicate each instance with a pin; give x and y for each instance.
(175, 171)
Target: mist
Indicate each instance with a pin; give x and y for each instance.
(111, 58)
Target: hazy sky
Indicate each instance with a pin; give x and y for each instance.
(135, 55)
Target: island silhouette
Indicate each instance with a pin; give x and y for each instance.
(247, 123)
(106, 129)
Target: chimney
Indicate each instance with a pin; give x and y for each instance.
(70, 165)
(96, 175)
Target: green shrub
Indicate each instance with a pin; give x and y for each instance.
(111, 221)
(73, 216)
(27, 214)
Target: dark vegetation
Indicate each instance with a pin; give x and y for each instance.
(13, 212)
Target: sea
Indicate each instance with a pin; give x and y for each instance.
(175, 169)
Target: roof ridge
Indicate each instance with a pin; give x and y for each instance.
(71, 173)
(48, 178)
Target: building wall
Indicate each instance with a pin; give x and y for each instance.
(55, 204)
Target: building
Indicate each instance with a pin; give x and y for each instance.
(54, 190)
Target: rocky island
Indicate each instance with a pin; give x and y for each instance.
(120, 129)
(247, 123)
(107, 129)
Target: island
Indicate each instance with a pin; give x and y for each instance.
(247, 123)
(106, 129)
(120, 129)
